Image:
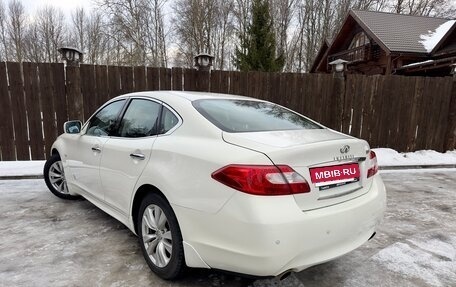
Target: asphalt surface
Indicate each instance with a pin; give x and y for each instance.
(45, 241)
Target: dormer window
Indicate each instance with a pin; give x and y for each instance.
(359, 40)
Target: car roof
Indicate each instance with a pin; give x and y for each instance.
(190, 96)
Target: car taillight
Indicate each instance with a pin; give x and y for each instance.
(262, 179)
(373, 165)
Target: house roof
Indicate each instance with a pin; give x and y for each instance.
(404, 33)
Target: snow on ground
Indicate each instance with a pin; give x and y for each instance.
(428, 259)
(385, 156)
(17, 168)
(431, 39)
(390, 157)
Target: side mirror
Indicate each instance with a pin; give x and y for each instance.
(72, 127)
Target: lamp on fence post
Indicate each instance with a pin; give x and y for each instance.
(203, 61)
(338, 67)
(71, 56)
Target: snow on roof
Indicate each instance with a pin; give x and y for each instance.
(431, 39)
(417, 63)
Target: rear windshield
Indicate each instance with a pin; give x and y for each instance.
(250, 116)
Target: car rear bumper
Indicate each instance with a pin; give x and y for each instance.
(266, 236)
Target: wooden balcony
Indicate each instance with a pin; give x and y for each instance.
(358, 54)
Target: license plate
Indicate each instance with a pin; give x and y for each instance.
(333, 175)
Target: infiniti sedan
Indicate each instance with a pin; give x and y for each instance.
(220, 181)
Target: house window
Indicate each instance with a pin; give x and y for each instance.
(356, 48)
(359, 40)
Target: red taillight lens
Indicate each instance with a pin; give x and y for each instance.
(262, 179)
(373, 165)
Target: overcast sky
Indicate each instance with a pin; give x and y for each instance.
(67, 6)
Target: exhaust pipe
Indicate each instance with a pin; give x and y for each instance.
(283, 276)
(372, 236)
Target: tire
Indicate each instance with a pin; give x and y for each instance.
(54, 176)
(160, 239)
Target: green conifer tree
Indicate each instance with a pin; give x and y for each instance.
(257, 50)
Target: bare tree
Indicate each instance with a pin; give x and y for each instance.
(91, 36)
(200, 30)
(79, 23)
(51, 26)
(242, 17)
(424, 7)
(16, 29)
(282, 12)
(3, 33)
(33, 45)
(137, 29)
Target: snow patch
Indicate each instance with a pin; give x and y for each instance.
(431, 39)
(388, 157)
(385, 157)
(428, 259)
(19, 168)
(418, 63)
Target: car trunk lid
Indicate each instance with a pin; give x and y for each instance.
(314, 151)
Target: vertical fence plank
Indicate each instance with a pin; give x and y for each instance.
(442, 121)
(235, 83)
(376, 113)
(202, 81)
(19, 110)
(31, 87)
(367, 109)
(73, 92)
(215, 81)
(177, 79)
(126, 75)
(224, 82)
(348, 102)
(414, 114)
(60, 106)
(6, 121)
(101, 73)
(153, 79)
(244, 84)
(189, 80)
(357, 104)
(165, 79)
(88, 90)
(140, 78)
(114, 81)
(450, 134)
(47, 106)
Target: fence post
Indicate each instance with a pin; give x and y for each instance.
(337, 100)
(450, 135)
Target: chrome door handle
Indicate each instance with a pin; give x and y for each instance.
(137, 156)
(96, 149)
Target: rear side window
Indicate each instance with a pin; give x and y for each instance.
(168, 121)
(140, 119)
(251, 116)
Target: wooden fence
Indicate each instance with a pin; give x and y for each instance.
(403, 113)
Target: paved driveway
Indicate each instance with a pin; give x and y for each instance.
(45, 241)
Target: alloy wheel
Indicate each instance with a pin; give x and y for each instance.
(57, 177)
(156, 235)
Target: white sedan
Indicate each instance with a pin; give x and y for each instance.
(221, 181)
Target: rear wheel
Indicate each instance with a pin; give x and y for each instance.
(54, 176)
(160, 237)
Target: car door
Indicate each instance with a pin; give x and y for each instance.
(126, 154)
(84, 152)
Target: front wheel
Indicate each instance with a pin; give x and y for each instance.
(160, 237)
(54, 176)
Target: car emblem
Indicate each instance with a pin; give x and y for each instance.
(345, 149)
